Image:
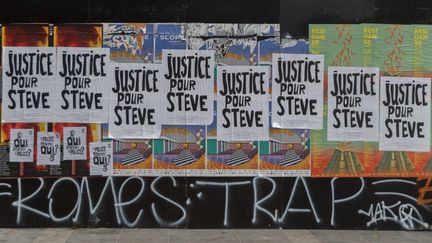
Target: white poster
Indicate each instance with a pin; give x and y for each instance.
(405, 114)
(187, 87)
(74, 143)
(135, 99)
(48, 148)
(29, 84)
(297, 91)
(353, 95)
(242, 103)
(83, 74)
(21, 145)
(101, 158)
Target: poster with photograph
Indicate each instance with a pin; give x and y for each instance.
(101, 158)
(74, 143)
(21, 145)
(48, 148)
(133, 157)
(397, 50)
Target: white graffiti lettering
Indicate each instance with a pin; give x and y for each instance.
(258, 203)
(299, 210)
(404, 214)
(227, 186)
(342, 200)
(153, 206)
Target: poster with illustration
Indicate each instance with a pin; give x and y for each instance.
(74, 143)
(21, 145)
(129, 42)
(168, 36)
(353, 95)
(83, 73)
(132, 157)
(180, 151)
(234, 50)
(405, 114)
(101, 155)
(135, 110)
(268, 41)
(234, 44)
(48, 148)
(285, 153)
(341, 44)
(297, 91)
(242, 103)
(187, 87)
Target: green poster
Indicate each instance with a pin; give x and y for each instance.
(389, 47)
(340, 43)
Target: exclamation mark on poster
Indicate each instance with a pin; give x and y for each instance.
(1, 38)
(51, 35)
(50, 43)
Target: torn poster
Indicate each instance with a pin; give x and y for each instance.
(74, 143)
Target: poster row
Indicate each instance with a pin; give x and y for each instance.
(178, 153)
(48, 148)
(43, 84)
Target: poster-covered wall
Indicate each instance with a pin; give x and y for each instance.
(77, 153)
(215, 100)
(178, 149)
(398, 51)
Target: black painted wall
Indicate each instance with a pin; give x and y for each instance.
(226, 11)
(331, 203)
(293, 15)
